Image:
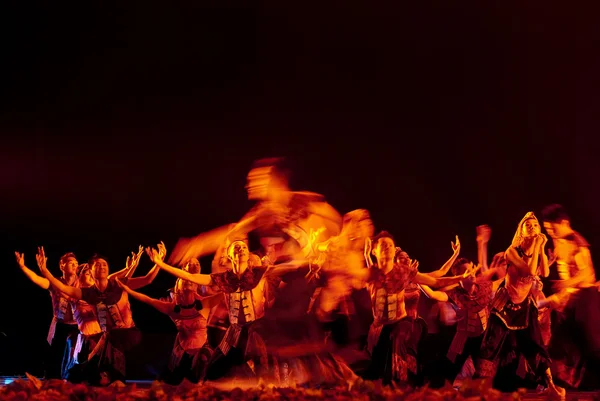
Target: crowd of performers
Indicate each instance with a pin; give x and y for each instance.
(299, 294)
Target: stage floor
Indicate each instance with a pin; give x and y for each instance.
(530, 396)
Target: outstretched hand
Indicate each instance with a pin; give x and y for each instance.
(455, 246)
(20, 259)
(154, 255)
(471, 271)
(162, 250)
(41, 259)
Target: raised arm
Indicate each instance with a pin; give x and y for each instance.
(436, 282)
(72, 292)
(200, 279)
(442, 271)
(161, 306)
(484, 234)
(38, 280)
(131, 264)
(139, 282)
(435, 295)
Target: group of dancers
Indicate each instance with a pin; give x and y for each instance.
(300, 295)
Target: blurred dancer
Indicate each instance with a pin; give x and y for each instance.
(276, 220)
(575, 346)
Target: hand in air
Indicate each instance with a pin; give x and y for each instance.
(162, 250)
(484, 233)
(41, 259)
(133, 260)
(414, 264)
(471, 271)
(154, 255)
(20, 259)
(455, 246)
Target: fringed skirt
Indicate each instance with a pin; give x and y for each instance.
(513, 338)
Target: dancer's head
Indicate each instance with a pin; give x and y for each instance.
(384, 248)
(193, 266)
(238, 254)
(556, 221)
(100, 267)
(68, 264)
(267, 178)
(85, 277)
(528, 229)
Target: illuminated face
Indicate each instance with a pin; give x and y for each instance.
(558, 230)
(239, 254)
(258, 183)
(385, 250)
(402, 258)
(101, 269)
(531, 228)
(193, 266)
(70, 265)
(86, 279)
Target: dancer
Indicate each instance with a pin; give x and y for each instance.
(471, 299)
(392, 343)
(513, 328)
(90, 331)
(575, 346)
(276, 219)
(246, 291)
(191, 351)
(63, 325)
(114, 314)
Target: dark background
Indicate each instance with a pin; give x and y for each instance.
(127, 123)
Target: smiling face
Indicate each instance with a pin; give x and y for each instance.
(100, 269)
